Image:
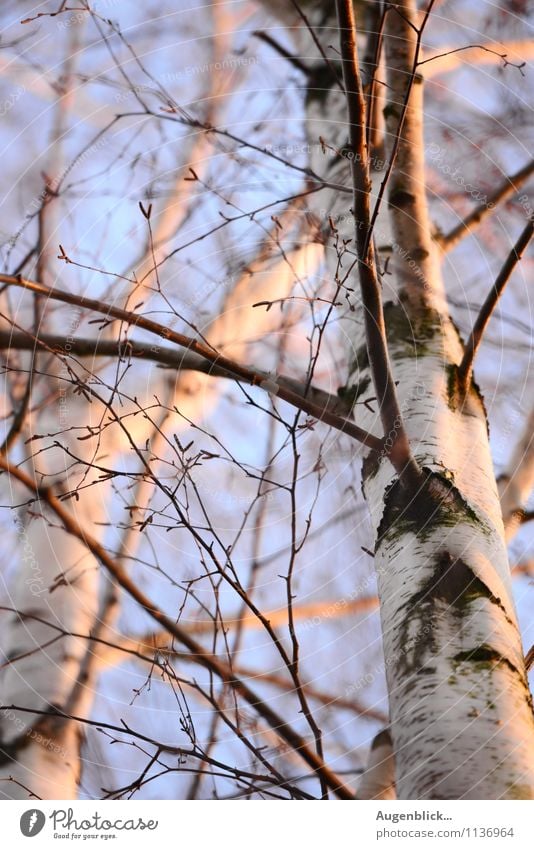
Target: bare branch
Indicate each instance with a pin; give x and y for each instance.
(281, 50)
(149, 647)
(514, 53)
(203, 656)
(182, 752)
(232, 369)
(326, 610)
(508, 187)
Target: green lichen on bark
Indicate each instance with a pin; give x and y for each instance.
(448, 593)
(407, 337)
(486, 657)
(410, 333)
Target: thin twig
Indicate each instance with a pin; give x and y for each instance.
(203, 656)
(371, 60)
(473, 343)
(472, 49)
(306, 21)
(281, 50)
(149, 647)
(167, 748)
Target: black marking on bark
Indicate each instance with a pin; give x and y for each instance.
(462, 585)
(437, 503)
(391, 111)
(485, 656)
(383, 738)
(400, 199)
(352, 392)
(321, 81)
(370, 466)
(360, 361)
(9, 751)
(468, 403)
(419, 254)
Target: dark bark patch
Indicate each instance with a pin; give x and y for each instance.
(391, 111)
(370, 466)
(401, 199)
(383, 738)
(469, 402)
(484, 656)
(420, 254)
(352, 392)
(437, 503)
(449, 593)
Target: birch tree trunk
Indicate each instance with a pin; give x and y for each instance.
(55, 585)
(461, 712)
